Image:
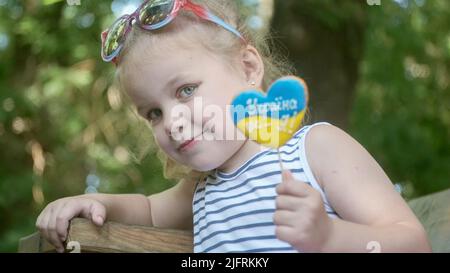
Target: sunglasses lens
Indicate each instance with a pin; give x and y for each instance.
(115, 36)
(154, 12)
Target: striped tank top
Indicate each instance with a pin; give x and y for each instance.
(233, 212)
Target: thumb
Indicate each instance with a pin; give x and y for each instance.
(98, 213)
(287, 175)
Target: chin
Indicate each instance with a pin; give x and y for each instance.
(204, 164)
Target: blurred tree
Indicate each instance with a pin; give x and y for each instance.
(61, 117)
(382, 73)
(325, 40)
(402, 108)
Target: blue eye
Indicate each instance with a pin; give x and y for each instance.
(154, 115)
(186, 92)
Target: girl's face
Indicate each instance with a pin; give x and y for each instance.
(185, 94)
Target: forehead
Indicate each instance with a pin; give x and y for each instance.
(151, 63)
(145, 70)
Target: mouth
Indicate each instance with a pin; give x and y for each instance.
(188, 143)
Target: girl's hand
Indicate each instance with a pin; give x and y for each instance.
(54, 219)
(300, 217)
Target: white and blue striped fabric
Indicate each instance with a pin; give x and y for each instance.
(233, 212)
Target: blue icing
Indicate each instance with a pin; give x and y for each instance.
(285, 99)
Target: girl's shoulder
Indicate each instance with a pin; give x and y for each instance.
(301, 141)
(330, 149)
(322, 137)
(302, 132)
(315, 129)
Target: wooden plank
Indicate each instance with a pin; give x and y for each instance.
(114, 237)
(34, 243)
(433, 212)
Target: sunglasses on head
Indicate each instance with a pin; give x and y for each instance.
(151, 15)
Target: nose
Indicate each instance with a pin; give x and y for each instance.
(177, 122)
(175, 127)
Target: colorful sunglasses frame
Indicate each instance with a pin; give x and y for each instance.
(199, 10)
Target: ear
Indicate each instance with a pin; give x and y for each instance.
(252, 65)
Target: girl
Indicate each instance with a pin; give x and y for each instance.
(176, 57)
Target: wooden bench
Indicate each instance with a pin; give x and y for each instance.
(113, 237)
(432, 210)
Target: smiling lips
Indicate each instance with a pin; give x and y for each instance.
(188, 144)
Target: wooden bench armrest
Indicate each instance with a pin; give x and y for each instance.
(113, 237)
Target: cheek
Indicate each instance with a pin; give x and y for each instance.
(218, 119)
(162, 140)
(218, 102)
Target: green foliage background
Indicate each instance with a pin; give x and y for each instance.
(61, 118)
(401, 112)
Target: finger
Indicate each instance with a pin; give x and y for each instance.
(286, 175)
(39, 220)
(293, 187)
(44, 222)
(62, 221)
(284, 218)
(52, 227)
(47, 229)
(287, 202)
(95, 211)
(70, 210)
(98, 213)
(285, 233)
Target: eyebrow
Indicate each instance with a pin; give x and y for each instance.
(174, 79)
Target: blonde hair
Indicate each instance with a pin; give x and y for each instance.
(219, 41)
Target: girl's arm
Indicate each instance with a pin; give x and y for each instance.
(173, 208)
(374, 216)
(362, 195)
(169, 209)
